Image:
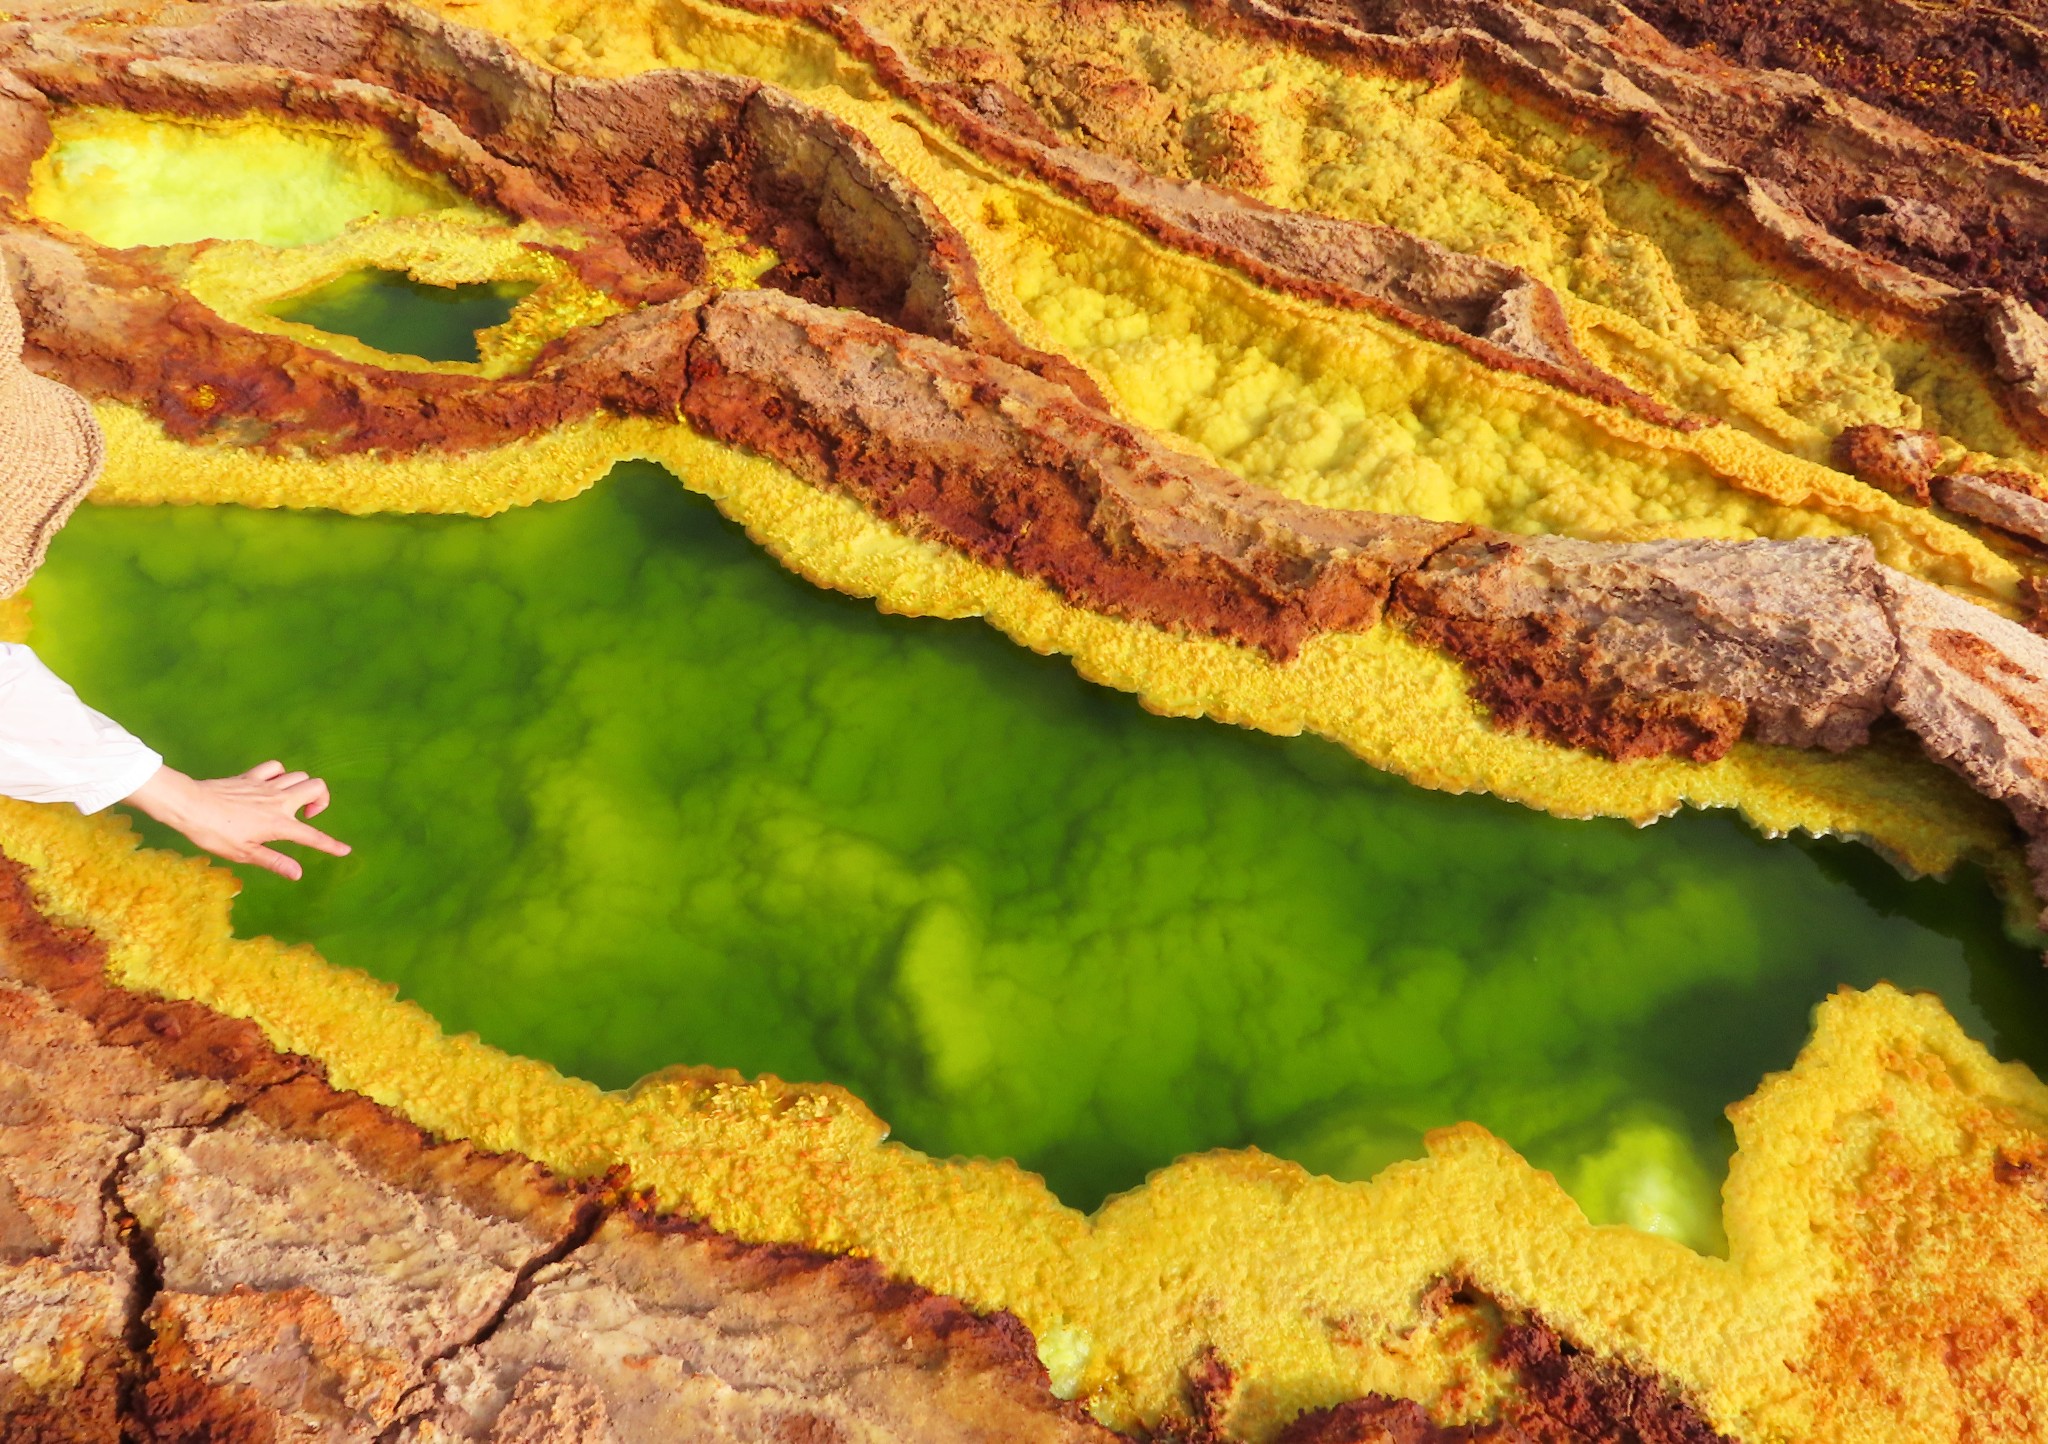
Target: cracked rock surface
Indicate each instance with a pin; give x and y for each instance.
(200, 1239)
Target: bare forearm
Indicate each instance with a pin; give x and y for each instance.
(169, 796)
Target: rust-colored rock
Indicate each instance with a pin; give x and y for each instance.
(1974, 688)
(1971, 73)
(1571, 1396)
(1387, 1421)
(1658, 647)
(1013, 470)
(2008, 500)
(1896, 459)
(1558, 1394)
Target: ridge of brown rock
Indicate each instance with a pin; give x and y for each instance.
(1640, 649)
(2008, 500)
(1015, 471)
(1974, 688)
(1972, 74)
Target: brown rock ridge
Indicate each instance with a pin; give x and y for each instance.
(1907, 463)
(1868, 205)
(2008, 500)
(1017, 472)
(1974, 74)
(1663, 647)
(1628, 650)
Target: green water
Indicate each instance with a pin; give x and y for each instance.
(393, 312)
(625, 794)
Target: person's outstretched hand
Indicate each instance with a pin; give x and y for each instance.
(233, 817)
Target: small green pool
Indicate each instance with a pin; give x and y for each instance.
(626, 794)
(392, 312)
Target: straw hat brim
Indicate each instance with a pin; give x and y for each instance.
(51, 451)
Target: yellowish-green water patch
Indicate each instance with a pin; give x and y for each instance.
(139, 180)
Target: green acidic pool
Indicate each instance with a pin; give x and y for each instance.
(625, 794)
(393, 312)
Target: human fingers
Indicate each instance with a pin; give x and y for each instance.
(309, 793)
(275, 861)
(264, 771)
(289, 779)
(313, 837)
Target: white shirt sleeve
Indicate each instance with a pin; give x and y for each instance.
(54, 748)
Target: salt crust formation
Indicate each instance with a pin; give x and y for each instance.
(1891, 1269)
